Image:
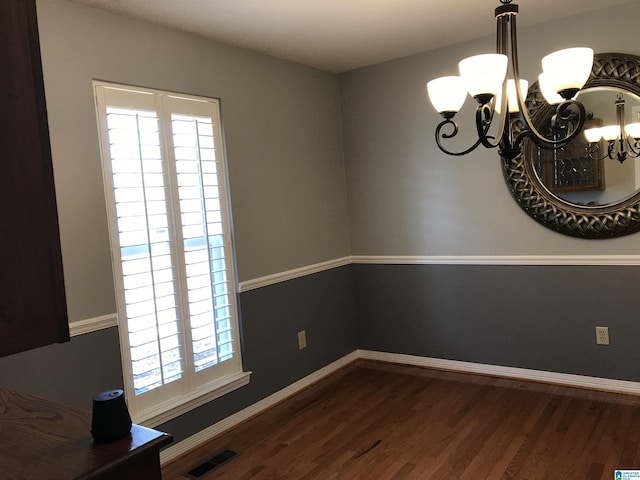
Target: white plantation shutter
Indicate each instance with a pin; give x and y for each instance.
(165, 184)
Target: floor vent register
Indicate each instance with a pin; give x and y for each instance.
(211, 464)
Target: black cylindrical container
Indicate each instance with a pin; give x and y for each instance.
(111, 419)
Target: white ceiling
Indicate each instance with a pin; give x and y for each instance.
(340, 35)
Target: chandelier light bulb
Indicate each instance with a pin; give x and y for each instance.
(447, 94)
(593, 135)
(483, 75)
(566, 71)
(611, 132)
(548, 91)
(633, 130)
(512, 95)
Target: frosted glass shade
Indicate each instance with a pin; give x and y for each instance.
(593, 135)
(633, 130)
(568, 69)
(610, 132)
(483, 74)
(550, 95)
(512, 95)
(447, 94)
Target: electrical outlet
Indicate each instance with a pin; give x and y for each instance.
(635, 114)
(302, 339)
(602, 335)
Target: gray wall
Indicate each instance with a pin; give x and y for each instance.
(281, 127)
(322, 304)
(70, 373)
(289, 190)
(408, 198)
(525, 316)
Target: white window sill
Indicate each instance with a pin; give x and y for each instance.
(182, 404)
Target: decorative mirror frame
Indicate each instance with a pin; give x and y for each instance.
(607, 221)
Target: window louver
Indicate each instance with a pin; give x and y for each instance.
(171, 240)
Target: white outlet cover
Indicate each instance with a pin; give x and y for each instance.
(602, 336)
(302, 339)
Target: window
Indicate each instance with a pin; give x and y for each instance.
(165, 185)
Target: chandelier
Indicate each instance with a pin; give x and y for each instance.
(623, 141)
(484, 77)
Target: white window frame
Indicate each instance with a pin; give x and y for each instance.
(193, 388)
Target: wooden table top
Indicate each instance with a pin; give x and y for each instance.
(41, 439)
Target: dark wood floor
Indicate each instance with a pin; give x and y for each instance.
(389, 422)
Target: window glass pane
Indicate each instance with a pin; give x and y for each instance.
(207, 155)
(139, 189)
(193, 139)
(168, 223)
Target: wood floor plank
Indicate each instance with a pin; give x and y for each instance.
(380, 421)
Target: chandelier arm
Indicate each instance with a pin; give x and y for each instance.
(484, 119)
(529, 128)
(634, 145)
(562, 121)
(544, 142)
(594, 148)
(453, 133)
(486, 113)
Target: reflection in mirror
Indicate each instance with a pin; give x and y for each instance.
(603, 201)
(590, 173)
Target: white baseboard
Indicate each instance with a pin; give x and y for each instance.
(604, 384)
(497, 259)
(171, 453)
(566, 379)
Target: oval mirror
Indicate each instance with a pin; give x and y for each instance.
(584, 190)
